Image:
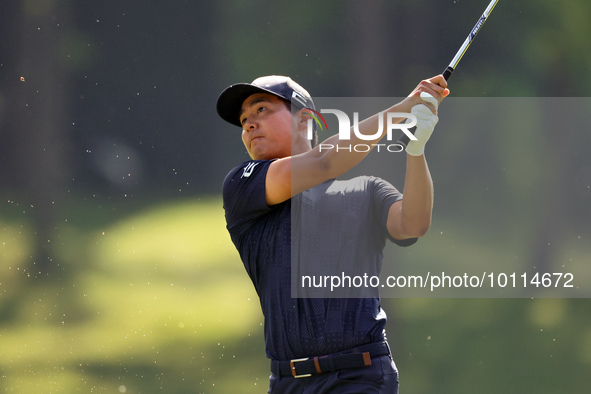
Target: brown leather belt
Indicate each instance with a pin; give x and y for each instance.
(353, 358)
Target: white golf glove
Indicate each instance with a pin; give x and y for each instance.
(426, 122)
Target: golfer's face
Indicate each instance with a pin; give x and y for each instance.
(266, 127)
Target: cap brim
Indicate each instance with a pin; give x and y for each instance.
(231, 99)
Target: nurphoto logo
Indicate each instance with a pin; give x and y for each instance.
(393, 122)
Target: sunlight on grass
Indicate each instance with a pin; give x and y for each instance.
(35, 381)
(183, 236)
(149, 291)
(14, 242)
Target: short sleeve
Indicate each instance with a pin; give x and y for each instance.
(244, 195)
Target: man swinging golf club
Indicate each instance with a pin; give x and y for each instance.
(321, 345)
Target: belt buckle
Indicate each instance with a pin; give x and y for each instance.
(293, 371)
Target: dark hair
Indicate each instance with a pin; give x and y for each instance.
(314, 141)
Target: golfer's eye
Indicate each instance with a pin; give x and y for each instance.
(261, 109)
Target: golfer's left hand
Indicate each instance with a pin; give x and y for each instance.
(426, 121)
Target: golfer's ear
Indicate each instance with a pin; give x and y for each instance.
(303, 116)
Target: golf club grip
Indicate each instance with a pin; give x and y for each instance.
(404, 140)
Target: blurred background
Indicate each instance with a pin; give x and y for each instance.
(116, 272)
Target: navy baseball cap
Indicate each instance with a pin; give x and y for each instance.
(230, 101)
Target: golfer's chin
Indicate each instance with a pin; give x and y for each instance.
(261, 152)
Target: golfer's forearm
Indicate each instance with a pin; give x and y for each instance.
(417, 205)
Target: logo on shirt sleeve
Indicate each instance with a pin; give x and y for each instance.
(248, 170)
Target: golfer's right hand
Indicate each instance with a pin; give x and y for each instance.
(435, 86)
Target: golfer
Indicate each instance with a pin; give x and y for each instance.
(321, 345)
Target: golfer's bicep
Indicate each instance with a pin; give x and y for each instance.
(278, 181)
(394, 223)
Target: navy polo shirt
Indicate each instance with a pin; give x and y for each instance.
(262, 234)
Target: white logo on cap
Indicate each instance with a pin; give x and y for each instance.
(300, 98)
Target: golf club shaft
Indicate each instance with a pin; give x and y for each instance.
(404, 139)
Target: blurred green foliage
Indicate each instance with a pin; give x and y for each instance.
(151, 301)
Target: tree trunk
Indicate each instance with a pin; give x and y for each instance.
(34, 121)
